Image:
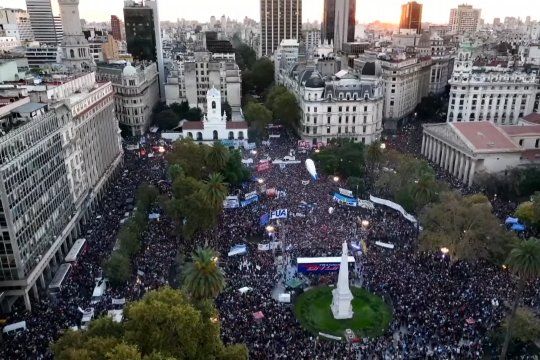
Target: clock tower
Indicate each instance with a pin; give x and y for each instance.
(75, 50)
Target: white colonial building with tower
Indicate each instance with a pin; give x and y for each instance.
(75, 48)
(214, 126)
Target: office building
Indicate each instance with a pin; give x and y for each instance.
(55, 166)
(15, 23)
(42, 56)
(45, 26)
(411, 17)
(280, 19)
(75, 48)
(464, 19)
(328, 23)
(136, 93)
(285, 56)
(195, 75)
(345, 23)
(143, 35)
(492, 91)
(343, 107)
(116, 27)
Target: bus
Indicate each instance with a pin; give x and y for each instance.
(75, 251)
(58, 280)
(320, 264)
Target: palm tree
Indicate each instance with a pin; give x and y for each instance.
(423, 192)
(215, 190)
(203, 278)
(524, 262)
(217, 157)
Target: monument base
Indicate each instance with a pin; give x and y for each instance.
(341, 304)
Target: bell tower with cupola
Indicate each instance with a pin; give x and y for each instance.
(75, 49)
(213, 106)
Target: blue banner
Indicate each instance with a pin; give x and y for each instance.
(265, 219)
(345, 200)
(249, 201)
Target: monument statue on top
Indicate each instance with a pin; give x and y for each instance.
(341, 295)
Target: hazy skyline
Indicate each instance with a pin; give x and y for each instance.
(434, 11)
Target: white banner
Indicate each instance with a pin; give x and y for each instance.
(250, 195)
(366, 204)
(394, 206)
(121, 301)
(384, 245)
(278, 214)
(345, 192)
(231, 202)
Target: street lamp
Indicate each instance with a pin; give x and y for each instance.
(317, 151)
(383, 146)
(254, 152)
(260, 180)
(270, 229)
(215, 259)
(365, 223)
(445, 250)
(336, 178)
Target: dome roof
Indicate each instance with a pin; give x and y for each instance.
(315, 81)
(129, 70)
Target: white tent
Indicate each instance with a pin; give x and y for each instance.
(284, 298)
(244, 289)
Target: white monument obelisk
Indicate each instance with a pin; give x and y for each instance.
(341, 295)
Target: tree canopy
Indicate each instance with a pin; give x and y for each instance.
(163, 325)
(203, 279)
(465, 226)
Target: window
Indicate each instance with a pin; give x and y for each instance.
(347, 109)
(213, 104)
(328, 129)
(231, 135)
(328, 120)
(314, 109)
(521, 142)
(329, 109)
(354, 108)
(199, 136)
(365, 108)
(241, 135)
(71, 53)
(340, 109)
(215, 135)
(536, 143)
(189, 134)
(339, 120)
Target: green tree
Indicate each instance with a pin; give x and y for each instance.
(190, 156)
(465, 226)
(215, 190)
(525, 326)
(262, 73)
(175, 171)
(273, 94)
(235, 172)
(146, 195)
(524, 263)
(129, 239)
(164, 325)
(525, 212)
(203, 279)
(217, 157)
(166, 120)
(374, 155)
(194, 114)
(286, 110)
(117, 268)
(258, 117)
(180, 109)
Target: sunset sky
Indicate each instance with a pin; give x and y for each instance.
(435, 11)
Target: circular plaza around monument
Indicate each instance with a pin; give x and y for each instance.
(371, 317)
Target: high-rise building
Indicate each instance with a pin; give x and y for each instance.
(43, 22)
(280, 19)
(328, 23)
(116, 26)
(143, 35)
(55, 167)
(464, 19)
(411, 16)
(345, 22)
(76, 51)
(15, 23)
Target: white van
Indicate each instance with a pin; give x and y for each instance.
(99, 290)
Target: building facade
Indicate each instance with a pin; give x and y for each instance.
(143, 35)
(498, 94)
(40, 56)
(411, 16)
(195, 75)
(345, 22)
(464, 19)
(53, 170)
(136, 93)
(116, 27)
(285, 56)
(468, 149)
(214, 126)
(345, 107)
(280, 19)
(16, 23)
(75, 48)
(45, 25)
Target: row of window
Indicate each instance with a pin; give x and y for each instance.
(345, 129)
(340, 109)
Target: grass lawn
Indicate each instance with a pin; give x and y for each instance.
(371, 314)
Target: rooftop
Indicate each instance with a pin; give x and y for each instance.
(533, 118)
(29, 107)
(484, 135)
(514, 130)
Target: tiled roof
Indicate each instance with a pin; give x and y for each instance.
(532, 117)
(236, 125)
(193, 125)
(513, 130)
(484, 135)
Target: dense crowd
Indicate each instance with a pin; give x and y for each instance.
(441, 309)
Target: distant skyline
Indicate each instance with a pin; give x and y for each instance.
(434, 11)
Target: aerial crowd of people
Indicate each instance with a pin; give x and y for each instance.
(441, 309)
